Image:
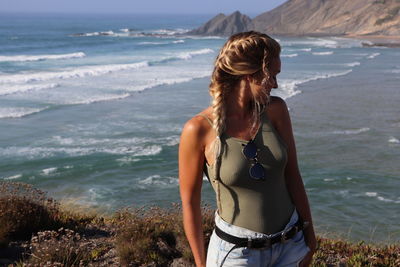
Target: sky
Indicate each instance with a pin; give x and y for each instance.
(249, 7)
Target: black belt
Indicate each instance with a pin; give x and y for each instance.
(260, 243)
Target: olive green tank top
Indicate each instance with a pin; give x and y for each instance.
(259, 205)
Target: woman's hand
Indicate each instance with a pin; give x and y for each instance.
(311, 243)
(307, 259)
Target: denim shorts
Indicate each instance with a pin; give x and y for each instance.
(289, 253)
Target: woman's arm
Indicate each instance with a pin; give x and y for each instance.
(292, 174)
(191, 162)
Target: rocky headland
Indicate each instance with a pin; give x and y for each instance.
(378, 19)
(225, 25)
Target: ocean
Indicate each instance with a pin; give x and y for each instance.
(91, 109)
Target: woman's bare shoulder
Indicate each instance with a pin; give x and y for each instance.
(277, 103)
(199, 125)
(277, 108)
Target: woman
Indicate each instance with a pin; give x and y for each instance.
(244, 143)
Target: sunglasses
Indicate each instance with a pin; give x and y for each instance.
(256, 170)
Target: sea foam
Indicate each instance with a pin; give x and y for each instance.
(85, 71)
(353, 131)
(327, 53)
(18, 112)
(394, 140)
(13, 177)
(288, 87)
(167, 81)
(290, 55)
(371, 194)
(13, 89)
(374, 55)
(298, 49)
(158, 180)
(78, 72)
(106, 33)
(49, 171)
(320, 42)
(353, 64)
(380, 198)
(153, 43)
(22, 58)
(190, 54)
(32, 152)
(95, 99)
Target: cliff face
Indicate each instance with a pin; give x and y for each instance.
(332, 17)
(315, 17)
(225, 25)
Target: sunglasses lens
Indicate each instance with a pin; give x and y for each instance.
(250, 150)
(257, 171)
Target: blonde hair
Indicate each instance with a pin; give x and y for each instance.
(246, 53)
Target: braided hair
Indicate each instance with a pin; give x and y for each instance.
(246, 53)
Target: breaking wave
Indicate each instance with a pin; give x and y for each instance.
(24, 58)
(322, 53)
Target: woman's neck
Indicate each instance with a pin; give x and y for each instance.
(239, 102)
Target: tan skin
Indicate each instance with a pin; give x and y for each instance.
(196, 147)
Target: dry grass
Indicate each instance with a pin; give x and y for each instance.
(25, 210)
(59, 248)
(341, 253)
(154, 236)
(51, 236)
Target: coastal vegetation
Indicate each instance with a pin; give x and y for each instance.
(36, 230)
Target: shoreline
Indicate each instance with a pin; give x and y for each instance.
(370, 40)
(377, 40)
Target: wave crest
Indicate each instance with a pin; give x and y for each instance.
(70, 73)
(353, 131)
(327, 53)
(25, 58)
(17, 112)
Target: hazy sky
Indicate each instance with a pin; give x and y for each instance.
(250, 7)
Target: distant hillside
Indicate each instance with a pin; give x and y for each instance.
(315, 17)
(332, 17)
(225, 25)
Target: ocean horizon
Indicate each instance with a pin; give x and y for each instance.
(91, 109)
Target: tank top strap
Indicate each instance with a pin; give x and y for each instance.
(207, 118)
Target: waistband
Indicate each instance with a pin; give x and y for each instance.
(245, 233)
